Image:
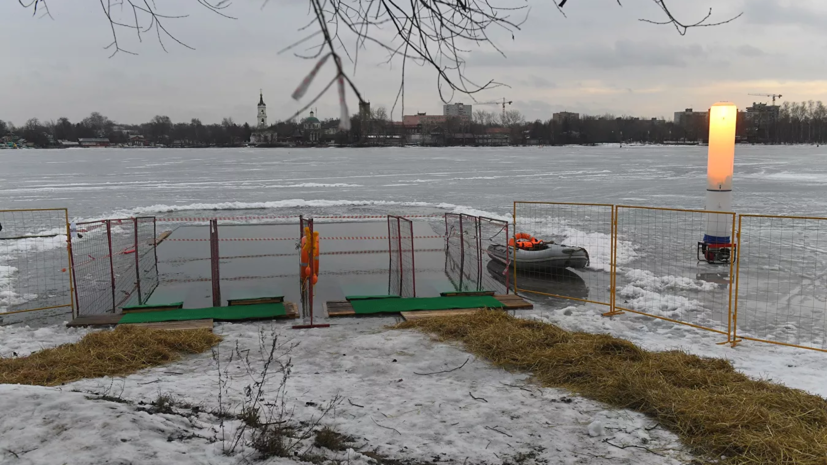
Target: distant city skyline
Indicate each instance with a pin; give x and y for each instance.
(599, 59)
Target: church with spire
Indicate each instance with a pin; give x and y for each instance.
(262, 135)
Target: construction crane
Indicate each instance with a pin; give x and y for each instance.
(504, 102)
(774, 96)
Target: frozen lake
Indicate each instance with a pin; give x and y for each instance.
(98, 183)
(783, 279)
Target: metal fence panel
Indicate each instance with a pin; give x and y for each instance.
(34, 261)
(666, 273)
(146, 257)
(402, 272)
(578, 226)
(92, 268)
(782, 280)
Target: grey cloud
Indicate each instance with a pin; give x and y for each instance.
(750, 51)
(621, 54)
(774, 12)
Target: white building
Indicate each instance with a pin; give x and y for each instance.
(261, 135)
(459, 110)
(262, 111)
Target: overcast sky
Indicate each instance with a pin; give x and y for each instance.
(598, 59)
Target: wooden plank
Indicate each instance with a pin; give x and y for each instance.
(255, 300)
(408, 316)
(177, 325)
(292, 310)
(470, 293)
(153, 308)
(108, 319)
(514, 302)
(162, 237)
(339, 308)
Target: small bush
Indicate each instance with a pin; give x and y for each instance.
(332, 440)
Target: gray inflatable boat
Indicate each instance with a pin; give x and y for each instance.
(547, 256)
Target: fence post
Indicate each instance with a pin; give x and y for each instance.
(137, 263)
(311, 259)
(514, 249)
(734, 316)
(507, 261)
(399, 244)
(73, 291)
(111, 264)
(155, 248)
(214, 259)
(461, 248)
(413, 259)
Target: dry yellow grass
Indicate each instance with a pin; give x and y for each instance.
(123, 351)
(715, 410)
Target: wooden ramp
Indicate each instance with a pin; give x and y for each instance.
(177, 325)
(340, 308)
(112, 319)
(107, 319)
(408, 316)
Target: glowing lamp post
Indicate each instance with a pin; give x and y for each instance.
(720, 166)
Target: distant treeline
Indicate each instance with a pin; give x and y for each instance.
(796, 123)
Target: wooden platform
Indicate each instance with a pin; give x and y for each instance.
(177, 325)
(108, 319)
(408, 316)
(112, 319)
(151, 308)
(162, 237)
(514, 302)
(339, 308)
(255, 300)
(469, 293)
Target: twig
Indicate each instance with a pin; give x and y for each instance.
(501, 432)
(355, 405)
(652, 427)
(12, 453)
(387, 427)
(150, 382)
(477, 398)
(445, 371)
(626, 446)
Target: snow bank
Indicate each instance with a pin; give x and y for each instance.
(404, 415)
(23, 340)
(46, 425)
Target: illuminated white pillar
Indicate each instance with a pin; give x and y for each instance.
(720, 166)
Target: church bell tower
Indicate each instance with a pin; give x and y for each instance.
(262, 111)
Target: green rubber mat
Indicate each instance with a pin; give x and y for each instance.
(423, 303)
(138, 307)
(240, 312)
(371, 297)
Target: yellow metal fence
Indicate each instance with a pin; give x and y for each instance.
(35, 267)
(768, 284)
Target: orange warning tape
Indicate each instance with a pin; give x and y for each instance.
(296, 254)
(341, 238)
(243, 218)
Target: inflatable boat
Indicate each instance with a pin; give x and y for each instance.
(533, 254)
